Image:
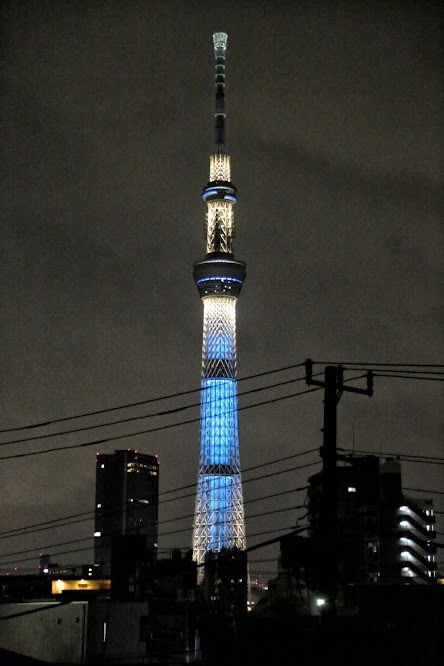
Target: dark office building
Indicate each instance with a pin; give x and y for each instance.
(383, 536)
(225, 585)
(127, 489)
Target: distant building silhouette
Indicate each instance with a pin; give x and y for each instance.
(225, 586)
(383, 536)
(127, 489)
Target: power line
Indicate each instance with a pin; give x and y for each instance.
(149, 430)
(187, 548)
(142, 402)
(399, 456)
(250, 548)
(391, 454)
(257, 478)
(397, 365)
(171, 520)
(401, 372)
(249, 536)
(49, 524)
(178, 394)
(166, 412)
(424, 379)
(176, 531)
(428, 491)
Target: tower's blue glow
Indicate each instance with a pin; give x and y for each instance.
(219, 438)
(219, 515)
(220, 493)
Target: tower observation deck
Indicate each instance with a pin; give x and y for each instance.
(219, 515)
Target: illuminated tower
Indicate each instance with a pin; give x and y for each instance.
(219, 515)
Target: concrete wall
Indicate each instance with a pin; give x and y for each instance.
(54, 634)
(114, 631)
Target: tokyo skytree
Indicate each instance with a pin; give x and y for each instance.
(219, 514)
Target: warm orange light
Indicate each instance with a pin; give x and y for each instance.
(80, 585)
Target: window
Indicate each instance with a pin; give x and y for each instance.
(351, 489)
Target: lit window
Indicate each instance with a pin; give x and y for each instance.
(351, 489)
(102, 466)
(97, 534)
(99, 506)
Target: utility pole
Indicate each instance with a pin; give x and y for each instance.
(333, 385)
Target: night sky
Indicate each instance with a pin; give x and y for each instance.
(334, 134)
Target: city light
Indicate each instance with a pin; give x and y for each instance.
(220, 168)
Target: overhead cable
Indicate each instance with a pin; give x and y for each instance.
(89, 515)
(42, 424)
(166, 412)
(149, 430)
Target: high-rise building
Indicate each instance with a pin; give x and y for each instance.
(127, 490)
(219, 517)
(383, 537)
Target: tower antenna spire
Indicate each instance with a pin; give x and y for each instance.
(220, 47)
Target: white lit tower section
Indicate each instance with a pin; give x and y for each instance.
(219, 514)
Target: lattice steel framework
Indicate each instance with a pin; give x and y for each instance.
(219, 516)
